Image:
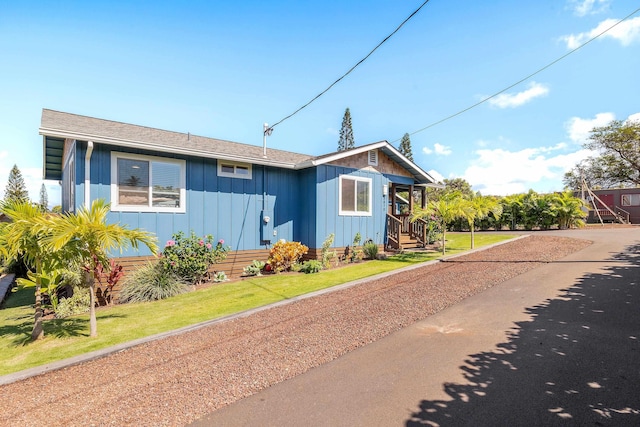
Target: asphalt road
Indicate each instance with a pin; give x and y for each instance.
(558, 345)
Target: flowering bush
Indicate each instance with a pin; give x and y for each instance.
(284, 254)
(190, 257)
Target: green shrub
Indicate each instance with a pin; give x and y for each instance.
(355, 254)
(284, 254)
(220, 276)
(327, 255)
(255, 269)
(370, 249)
(78, 303)
(311, 266)
(191, 257)
(151, 282)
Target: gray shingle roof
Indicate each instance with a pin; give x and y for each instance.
(60, 124)
(56, 126)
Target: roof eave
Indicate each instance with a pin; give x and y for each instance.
(162, 148)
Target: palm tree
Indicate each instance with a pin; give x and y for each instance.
(446, 209)
(86, 236)
(478, 208)
(512, 208)
(568, 210)
(22, 237)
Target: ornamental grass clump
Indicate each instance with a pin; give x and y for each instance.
(151, 282)
(370, 249)
(190, 258)
(284, 255)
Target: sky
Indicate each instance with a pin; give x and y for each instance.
(221, 69)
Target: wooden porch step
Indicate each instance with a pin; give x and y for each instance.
(407, 242)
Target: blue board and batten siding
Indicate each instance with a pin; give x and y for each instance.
(303, 204)
(345, 227)
(227, 208)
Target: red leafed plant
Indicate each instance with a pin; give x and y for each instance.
(111, 278)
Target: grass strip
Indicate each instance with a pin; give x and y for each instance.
(117, 324)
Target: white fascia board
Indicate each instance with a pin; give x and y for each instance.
(162, 148)
(341, 155)
(416, 167)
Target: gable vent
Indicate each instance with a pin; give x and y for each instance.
(373, 157)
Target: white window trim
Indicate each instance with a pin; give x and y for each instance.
(138, 208)
(234, 174)
(632, 197)
(355, 213)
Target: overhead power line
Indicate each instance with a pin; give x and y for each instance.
(270, 128)
(525, 78)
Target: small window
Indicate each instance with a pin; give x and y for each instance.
(631, 200)
(373, 157)
(355, 196)
(234, 170)
(147, 184)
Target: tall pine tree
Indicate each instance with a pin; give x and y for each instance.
(16, 189)
(44, 198)
(346, 140)
(405, 147)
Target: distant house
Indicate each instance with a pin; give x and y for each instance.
(166, 182)
(614, 205)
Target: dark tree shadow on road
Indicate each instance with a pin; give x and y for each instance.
(576, 362)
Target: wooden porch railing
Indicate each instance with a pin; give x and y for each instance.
(418, 230)
(626, 216)
(401, 224)
(617, 212)
(394, 230)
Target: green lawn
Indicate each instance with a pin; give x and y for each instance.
(121, 323)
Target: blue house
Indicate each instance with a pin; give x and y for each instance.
(247, 195)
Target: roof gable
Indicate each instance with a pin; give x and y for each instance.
(418, 174)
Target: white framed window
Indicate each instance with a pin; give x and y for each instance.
(147, 184)
(234, 169)
(372, 157)
(631, 200)
(355, 196)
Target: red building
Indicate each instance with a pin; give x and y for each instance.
(624, 202)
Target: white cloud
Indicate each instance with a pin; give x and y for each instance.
(634, 117)
(626, 33)
(436, 175)
(438, 149)
(579, 129)
(502, 172)
(442, 150)
(512, 100)
(588, 7)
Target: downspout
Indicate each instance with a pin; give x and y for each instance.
(87, 174)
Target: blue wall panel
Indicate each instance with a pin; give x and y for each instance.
(304, 203)
(195, 195)
(305, 206)
(345, 227)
